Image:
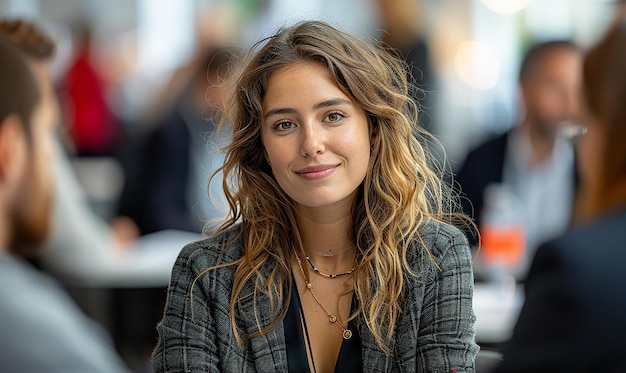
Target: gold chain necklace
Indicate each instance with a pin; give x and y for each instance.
(330, 255)
(327, 275)
(347, 333)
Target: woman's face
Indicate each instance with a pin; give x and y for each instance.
(316, 138)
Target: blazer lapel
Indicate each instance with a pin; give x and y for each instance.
(268, 351)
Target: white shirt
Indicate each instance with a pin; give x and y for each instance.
(546, 191)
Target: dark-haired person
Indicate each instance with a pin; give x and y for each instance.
(531, 160)
(338, 253)
(41, 328)
(574, 316)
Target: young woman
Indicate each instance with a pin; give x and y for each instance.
(339, 253)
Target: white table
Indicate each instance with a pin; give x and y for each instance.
(496, 307)
(146, 264)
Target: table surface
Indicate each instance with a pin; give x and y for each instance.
(496, 307)
(146, 264)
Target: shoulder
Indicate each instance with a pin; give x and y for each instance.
(593, 248)
(212, 252)
(204, 265)
(577, 266)
(18, 276)
(494, 145)
(78, 343)
(440, 237)
(484, 159)
(441, 240)
(224, 247)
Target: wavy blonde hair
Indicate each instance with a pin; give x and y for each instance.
(400, 192)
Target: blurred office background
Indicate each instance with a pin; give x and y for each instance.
(474, 45)
(140, 51)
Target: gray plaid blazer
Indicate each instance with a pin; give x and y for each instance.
(434, 334)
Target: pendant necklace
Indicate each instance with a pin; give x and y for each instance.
(347, 333)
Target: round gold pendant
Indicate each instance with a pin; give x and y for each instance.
(347, 334)
(332, 318)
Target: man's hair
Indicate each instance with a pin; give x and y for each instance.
(538, 51)
(19, 91)
(33, 41)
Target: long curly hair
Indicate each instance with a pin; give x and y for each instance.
(401, 191)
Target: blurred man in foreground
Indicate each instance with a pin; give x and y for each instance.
(42, 330)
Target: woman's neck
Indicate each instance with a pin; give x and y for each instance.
(326, 240)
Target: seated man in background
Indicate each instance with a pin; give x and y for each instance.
(42, 330)
(531, 165)
(574, 315)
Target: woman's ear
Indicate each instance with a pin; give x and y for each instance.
(267, 158)
(373, 130)
(12, 146)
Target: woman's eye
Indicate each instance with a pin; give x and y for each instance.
(282, 126)
(334, 117)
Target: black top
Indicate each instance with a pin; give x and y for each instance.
(349, 359)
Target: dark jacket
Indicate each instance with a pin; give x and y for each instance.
(483, 166)
(574, 315)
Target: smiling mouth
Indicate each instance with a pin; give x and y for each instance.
(316, 172)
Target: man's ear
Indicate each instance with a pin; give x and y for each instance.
(12, 146)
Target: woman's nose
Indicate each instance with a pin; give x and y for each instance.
(313, 139)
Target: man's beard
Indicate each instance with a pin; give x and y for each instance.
(30, 220)
(547, 128)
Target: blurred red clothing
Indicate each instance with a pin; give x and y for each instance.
(93, 127)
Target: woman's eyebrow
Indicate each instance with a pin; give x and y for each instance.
(319, 105)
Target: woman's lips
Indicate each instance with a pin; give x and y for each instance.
(316, 172)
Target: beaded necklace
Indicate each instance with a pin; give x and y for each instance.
(327, 275)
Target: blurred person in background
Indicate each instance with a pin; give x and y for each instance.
(179, 154)
(532, 162)
(574, 316)
(79, 238)
(216, 25)
(174, 148)
(402, 33)
(42, 329)
(92, 124)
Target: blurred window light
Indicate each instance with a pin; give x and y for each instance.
(505, 6)
(477, 65)
(165, 33)
(22, 8)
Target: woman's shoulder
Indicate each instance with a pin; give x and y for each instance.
(223, 247)
(439, 238)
